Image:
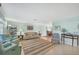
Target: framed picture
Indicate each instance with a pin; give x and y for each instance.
(29, 27)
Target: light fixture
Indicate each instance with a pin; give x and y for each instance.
(9, 25)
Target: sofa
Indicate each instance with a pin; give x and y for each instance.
(31, 35)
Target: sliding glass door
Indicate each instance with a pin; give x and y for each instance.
(2, 25)
(1, 30)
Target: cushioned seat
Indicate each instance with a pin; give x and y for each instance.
(56, 37)
(31, 35)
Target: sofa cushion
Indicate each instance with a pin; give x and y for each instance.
(30, 35)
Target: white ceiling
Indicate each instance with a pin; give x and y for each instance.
(40, 12)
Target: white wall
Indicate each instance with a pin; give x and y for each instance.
(70, 24)
(23, 27)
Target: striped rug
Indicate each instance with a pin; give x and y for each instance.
(34, 46)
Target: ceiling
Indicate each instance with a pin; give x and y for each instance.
(39, 12)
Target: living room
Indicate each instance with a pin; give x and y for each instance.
(42, 27)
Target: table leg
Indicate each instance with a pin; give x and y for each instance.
(61, 39)
(72, 41)
(77, 41)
